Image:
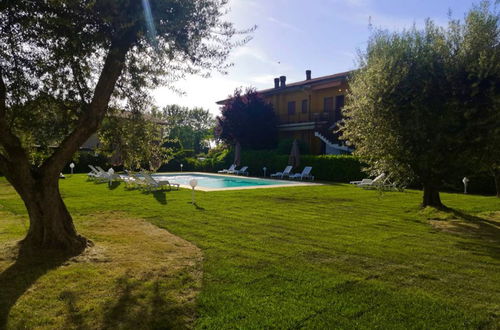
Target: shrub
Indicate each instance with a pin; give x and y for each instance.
(339, 168)
(83, 159)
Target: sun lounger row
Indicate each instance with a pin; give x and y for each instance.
(100, 175)
(232, 170)
(380, 182)
(144, 180)
(304, 175)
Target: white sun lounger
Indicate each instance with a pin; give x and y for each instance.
(241, 171)
(158, 184)
(230, 169)
(94, 173)
(285, 173)
(368, 182)
(306, 174)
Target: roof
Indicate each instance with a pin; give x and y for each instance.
(311, 83)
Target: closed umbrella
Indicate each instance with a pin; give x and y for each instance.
(294, 158)
(237, 154)
(116, 158)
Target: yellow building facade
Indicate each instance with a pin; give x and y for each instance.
(308, 110)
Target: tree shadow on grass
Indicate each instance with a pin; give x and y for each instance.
(135, 308)
(159, 195)
(484, 231)
(20, 276)
(74, 319)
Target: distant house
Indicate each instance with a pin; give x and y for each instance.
(308, 110)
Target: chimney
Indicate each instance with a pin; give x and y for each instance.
(276, 82)
(283, 81)
(308, 74)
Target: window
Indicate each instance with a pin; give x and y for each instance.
(328, 104)
(339, 104)
(291, 108)
(304, 106)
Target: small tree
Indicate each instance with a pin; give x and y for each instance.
(131, 140)
(191, 126)
(413, 109)
(248, 119)
(63, 62)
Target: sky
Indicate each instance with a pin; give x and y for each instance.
(293, 36)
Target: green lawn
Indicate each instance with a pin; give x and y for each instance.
(331, 256)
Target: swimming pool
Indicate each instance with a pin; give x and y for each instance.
(213, 182)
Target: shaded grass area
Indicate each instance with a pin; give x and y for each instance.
(320, 257)
(136, 276)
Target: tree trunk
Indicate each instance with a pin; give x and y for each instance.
(51, 225)
(496, 174)
(431, 196)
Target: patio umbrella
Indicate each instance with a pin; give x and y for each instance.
(116, 158)
(237, 154)
(294, 158)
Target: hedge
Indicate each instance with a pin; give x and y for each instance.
(338, 168)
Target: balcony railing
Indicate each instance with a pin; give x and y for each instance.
(307, 117)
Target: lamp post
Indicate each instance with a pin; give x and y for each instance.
(264, 169)
(465, 180)
(182, 165)
(193, 183)
(72, 166)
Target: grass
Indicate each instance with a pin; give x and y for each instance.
(299, 257)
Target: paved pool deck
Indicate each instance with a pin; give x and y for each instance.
(279, 183)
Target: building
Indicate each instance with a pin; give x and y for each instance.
(308, 110)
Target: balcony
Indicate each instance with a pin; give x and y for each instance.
(306, 117)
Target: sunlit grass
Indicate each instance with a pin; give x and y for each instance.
(319, 257)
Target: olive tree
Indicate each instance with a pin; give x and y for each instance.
(64, 63)
(420, 99)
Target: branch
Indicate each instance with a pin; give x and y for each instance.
(3, 96)
(10, 143)
(92, 117)
(79, 80)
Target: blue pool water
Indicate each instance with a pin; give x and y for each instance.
(219, 181)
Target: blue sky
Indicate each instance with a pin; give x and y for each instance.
(295, 35)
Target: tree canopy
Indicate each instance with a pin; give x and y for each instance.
(421, 100)
(193, 127)
(248, 119)
(63, 64)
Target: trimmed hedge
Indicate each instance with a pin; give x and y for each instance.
(338, 168)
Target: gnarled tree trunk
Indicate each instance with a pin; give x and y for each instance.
(51, 225)
(431, 196)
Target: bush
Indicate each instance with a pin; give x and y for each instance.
(285, 145)
(83, 159)
(339, 168)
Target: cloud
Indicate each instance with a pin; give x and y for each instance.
(361, 12)
(266, 80)
(252, 52)
(284, 24)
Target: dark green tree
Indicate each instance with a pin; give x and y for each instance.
(420, 97)
(248, 119)
(63, 64)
